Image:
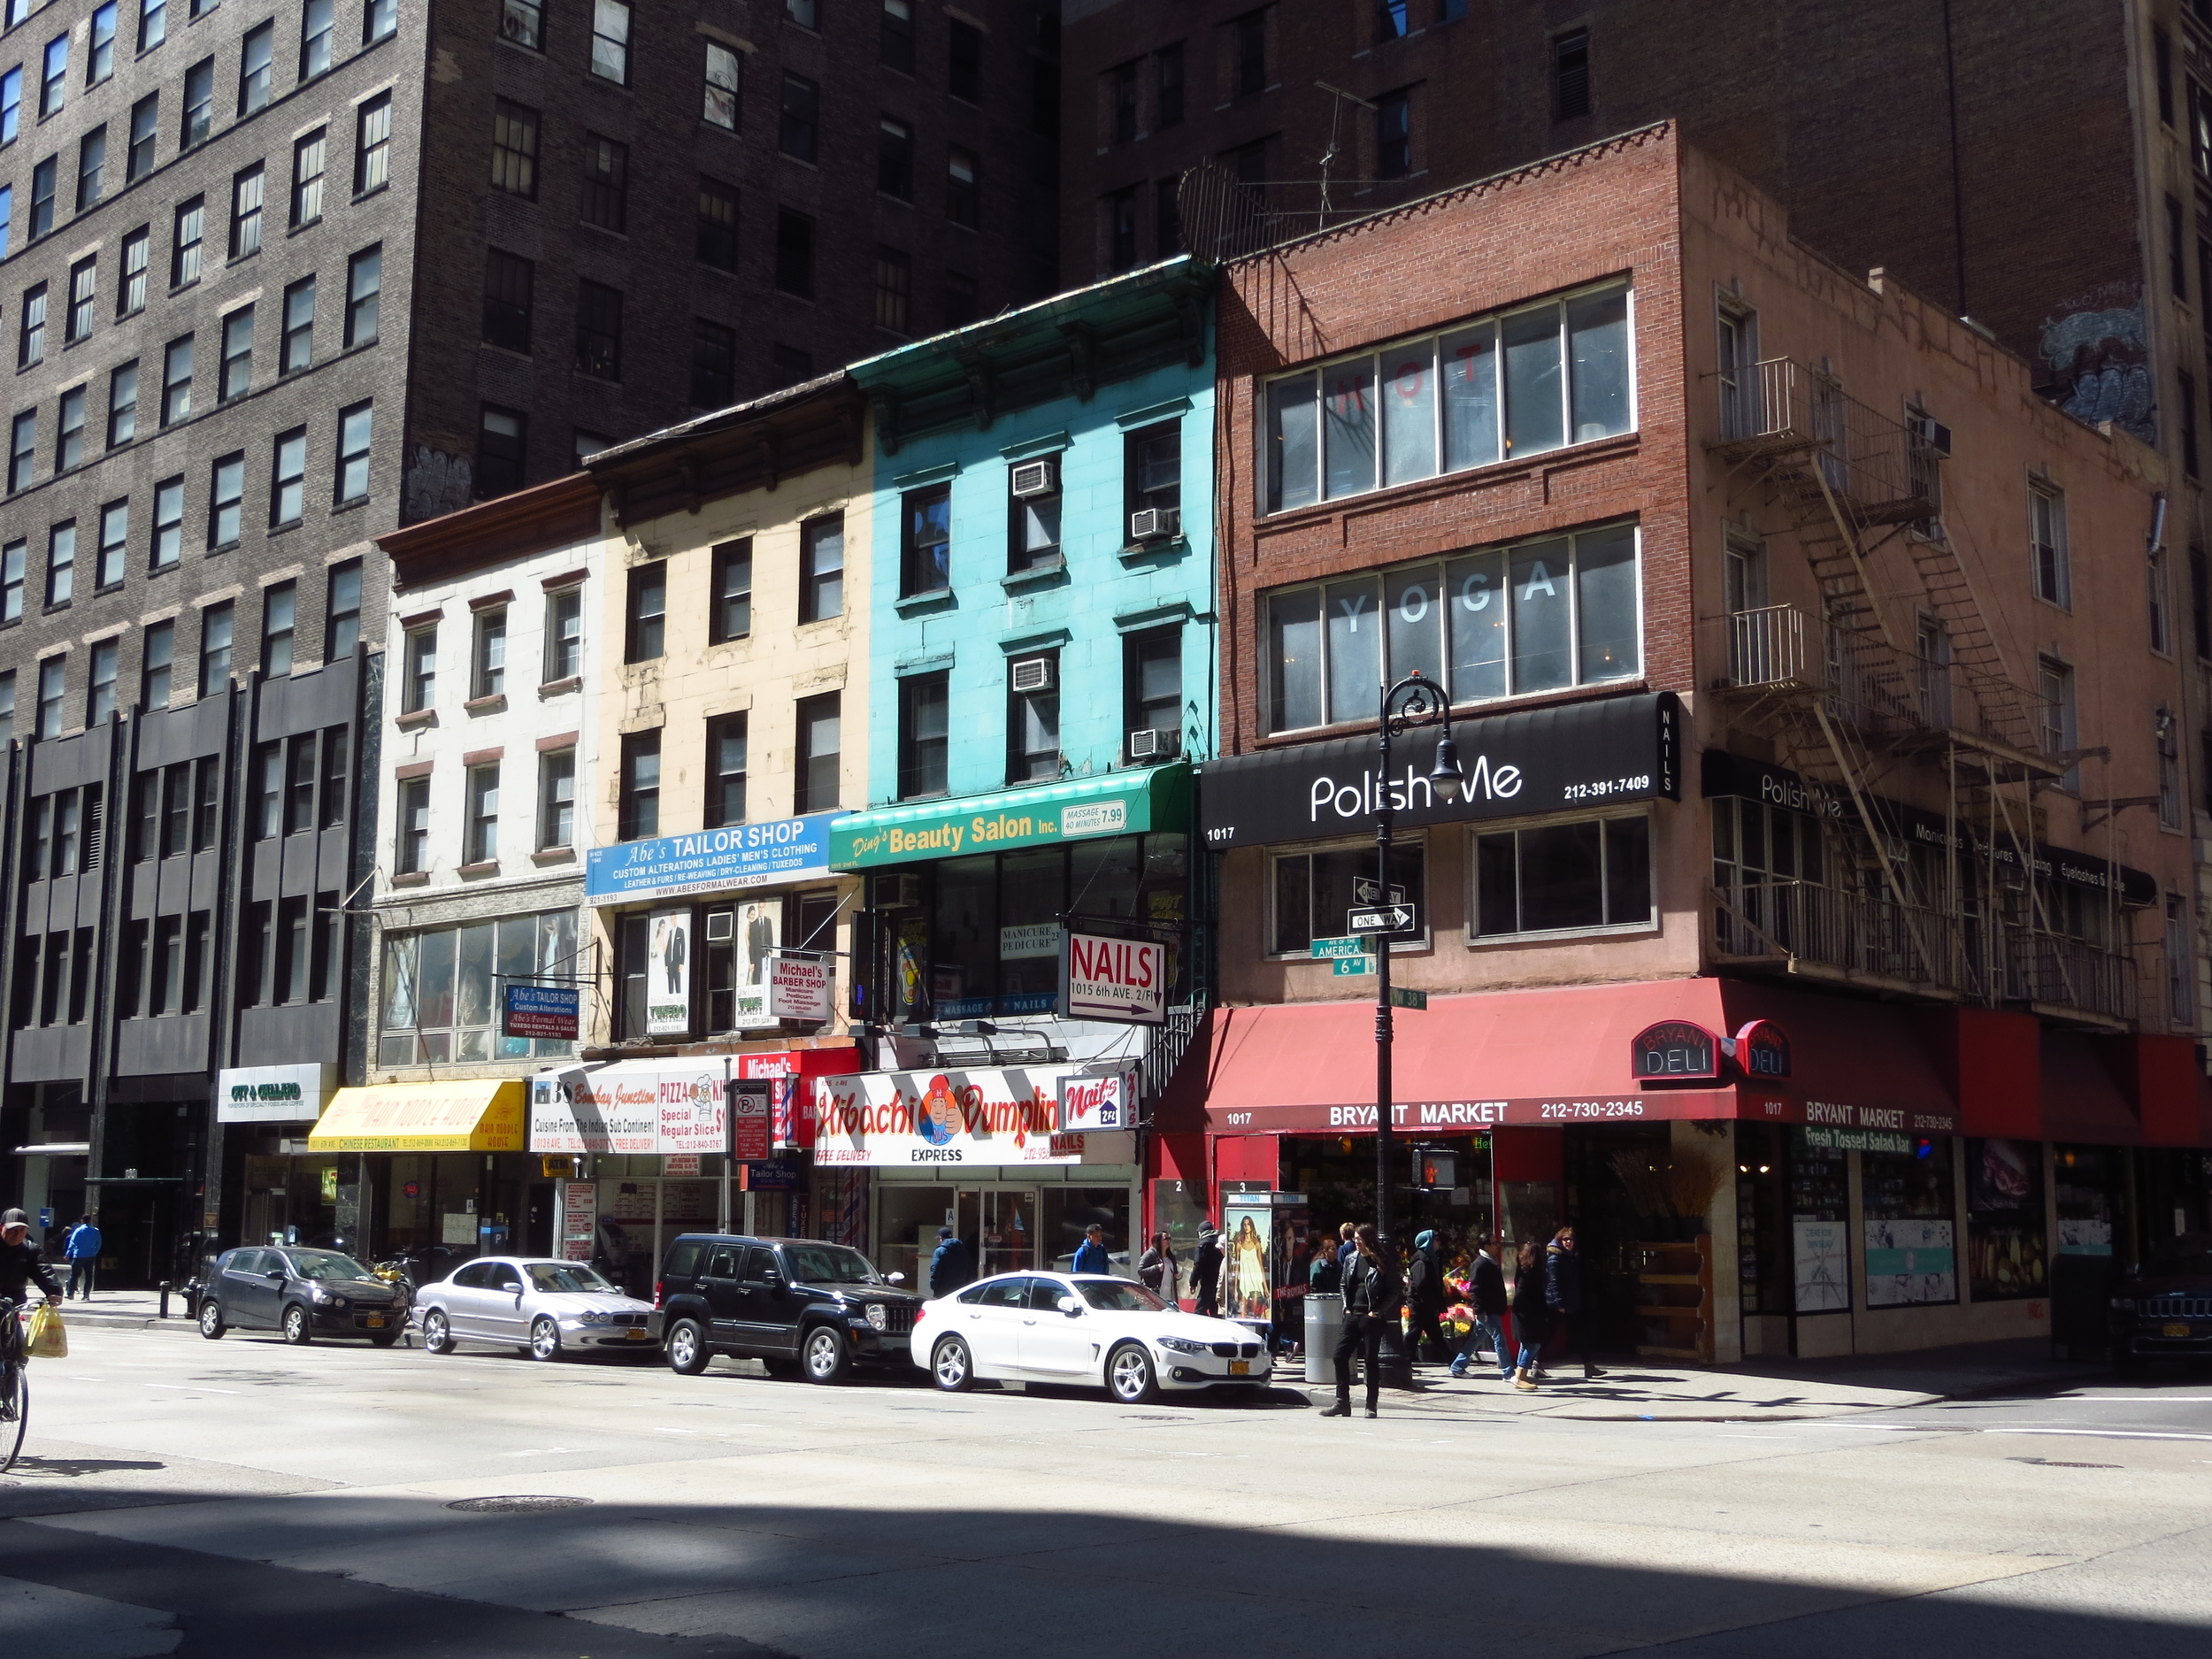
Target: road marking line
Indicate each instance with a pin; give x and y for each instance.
(2106, 1434)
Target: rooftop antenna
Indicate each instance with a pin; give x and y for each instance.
(1328, 156)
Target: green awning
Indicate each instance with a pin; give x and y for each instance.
(1079, 809)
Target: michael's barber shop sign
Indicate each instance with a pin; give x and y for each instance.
(1602, 753)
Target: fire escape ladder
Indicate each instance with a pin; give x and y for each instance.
(1908, 910)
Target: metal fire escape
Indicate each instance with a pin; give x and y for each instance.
(1880, 680)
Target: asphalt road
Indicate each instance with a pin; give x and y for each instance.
(192, 1498)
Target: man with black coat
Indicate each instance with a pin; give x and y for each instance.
(1372, 1295)
(950, 1267)
(20, 1267)
(1206, 1272)
(1563, 1295)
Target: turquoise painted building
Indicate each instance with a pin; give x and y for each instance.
(1044, 651)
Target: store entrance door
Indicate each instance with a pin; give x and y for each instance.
(1002, 1224)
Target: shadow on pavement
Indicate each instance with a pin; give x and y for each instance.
(754, 1576)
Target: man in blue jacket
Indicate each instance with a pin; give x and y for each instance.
(1091, 1256)
(82, 1248)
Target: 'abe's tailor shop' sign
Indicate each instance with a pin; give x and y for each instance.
(713, 861)
(1600, 753)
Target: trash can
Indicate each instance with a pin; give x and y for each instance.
(1325, 1323)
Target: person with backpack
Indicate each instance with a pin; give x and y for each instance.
(82, 1250)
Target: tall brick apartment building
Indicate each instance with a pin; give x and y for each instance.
(1821, 836)
(2059, 195)
(277, 276)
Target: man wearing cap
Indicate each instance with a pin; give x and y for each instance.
(21, 1264)
(949, 1267)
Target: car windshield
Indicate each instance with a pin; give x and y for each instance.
(567, 1276)
(828, 1265)
(2189, 1256)
(1118, 1296)
(326, 1264)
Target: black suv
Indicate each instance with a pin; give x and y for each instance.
(795, 1304)
(2163, 1309)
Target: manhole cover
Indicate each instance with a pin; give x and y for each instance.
(515, 1505)
(2054, 1463)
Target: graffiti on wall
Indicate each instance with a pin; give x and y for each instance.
(2099, 367)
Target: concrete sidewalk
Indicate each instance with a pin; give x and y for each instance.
(1768, 1391)
(113, 1308)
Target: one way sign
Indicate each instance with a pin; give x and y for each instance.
(1382, 918)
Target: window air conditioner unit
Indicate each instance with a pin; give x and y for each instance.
(1932, 433)
(721, 927)
(1036, 478)
(1032, 673)
(1152, 523)
(1148, 744)
(897, 890)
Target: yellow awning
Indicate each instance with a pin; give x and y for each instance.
(465, 1115)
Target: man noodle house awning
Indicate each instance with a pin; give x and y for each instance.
(463, 1115)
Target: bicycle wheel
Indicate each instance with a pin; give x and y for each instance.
(19, 1399)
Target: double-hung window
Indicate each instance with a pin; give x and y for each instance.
(611, 41)
(1495, 389)
(648, 608)
(926, 553)
(730, 606)
(115, 534)
(308, 160)
(556, 799)
(2047, 541)
(487, 670)
(481, 844)
(419, 687)
(245, 212)
(822, 568)
(257, 69)
(725, 772)
(372, 145)
(288, 479)
(638, 807)
(564, 635)
(1500, 622)
(364, 290)
(145, 126)
(925, 734)
(724, 78)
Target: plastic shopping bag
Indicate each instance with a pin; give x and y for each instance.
(48, 1340)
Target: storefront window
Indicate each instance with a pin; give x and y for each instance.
(2087, 1181)
(1911, 1208)
(1314, 891)
(1820, 1219)
(2004, 1221)
(441, 988)
(995, 921)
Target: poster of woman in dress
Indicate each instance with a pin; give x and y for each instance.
(1249, 1294)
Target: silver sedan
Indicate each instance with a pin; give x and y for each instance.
(536, 1303)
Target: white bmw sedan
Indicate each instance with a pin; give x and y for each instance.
(548, 1307)
(1081, 1329)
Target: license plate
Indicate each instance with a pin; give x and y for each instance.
(375, 1322)
(635, 1336)
(2175, 1330)
(1239, 1368)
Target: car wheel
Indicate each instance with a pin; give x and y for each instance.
(825, 1355)
(297, 1331)
(1129, 1374)
(782, 1368)
(686, 1349)
(437, 1333)
(545, 1339)
(952, 1366)
(210, 1319)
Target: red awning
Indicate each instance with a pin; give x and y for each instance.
(1562, 1056)
(2082, 1101)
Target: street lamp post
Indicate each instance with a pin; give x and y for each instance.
(1414, 701)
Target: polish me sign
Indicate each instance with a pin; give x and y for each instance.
(1013, 1115)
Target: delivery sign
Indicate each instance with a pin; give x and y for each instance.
(1120, 980)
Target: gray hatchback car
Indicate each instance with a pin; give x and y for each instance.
(546, 1306)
